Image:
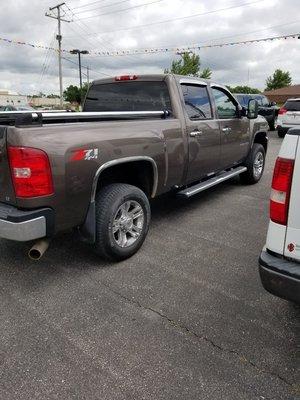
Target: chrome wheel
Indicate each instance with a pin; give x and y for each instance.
(128, 223)
(258, 164)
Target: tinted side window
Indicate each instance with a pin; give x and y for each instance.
(196, 101)
(292, 105)
(258, 99)
(241, 99)
(265, 101)
(128, 96)
(225, 105)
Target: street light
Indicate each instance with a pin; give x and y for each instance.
(79, 52)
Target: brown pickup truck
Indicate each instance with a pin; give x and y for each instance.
(137, 137)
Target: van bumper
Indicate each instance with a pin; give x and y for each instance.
(22, 226)
(280, 276)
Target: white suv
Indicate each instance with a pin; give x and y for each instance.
(288, 116)
(280, 259)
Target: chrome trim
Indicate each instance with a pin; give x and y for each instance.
(23, 231)
(122, 161)
(211, 182)
(85, 114)
(192, 81)
(216, 85)
(196, 133)
(226, 130)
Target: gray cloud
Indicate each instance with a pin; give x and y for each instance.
(29, 70)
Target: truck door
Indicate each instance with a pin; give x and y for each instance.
(202, 130)
(234, 128)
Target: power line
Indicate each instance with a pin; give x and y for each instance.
(244, 33)
(100, 8)
(79, 23)
(88, 4)
(122, 10)
(181, 18)
(75, 63)
(83, 28)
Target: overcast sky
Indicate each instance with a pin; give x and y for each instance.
(28, 70)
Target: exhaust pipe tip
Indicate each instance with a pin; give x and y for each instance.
(38, 249)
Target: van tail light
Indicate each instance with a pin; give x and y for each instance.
(31, 172)
(282, 111)
(281, 190)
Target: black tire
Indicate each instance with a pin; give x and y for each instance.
(272, 125)
(281, 133)
(252, 176)
(108, 202)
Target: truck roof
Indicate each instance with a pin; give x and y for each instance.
(150, 77)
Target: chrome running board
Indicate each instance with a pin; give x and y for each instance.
(200, 187)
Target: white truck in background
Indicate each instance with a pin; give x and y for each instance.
(288, 116)
(279, 263)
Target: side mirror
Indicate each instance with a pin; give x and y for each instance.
(252, 110)
(273, 103)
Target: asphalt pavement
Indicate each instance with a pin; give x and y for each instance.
(186, 318)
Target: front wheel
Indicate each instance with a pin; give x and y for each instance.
(122, 221)
(280, 132)
(273, 124)
(255, 164)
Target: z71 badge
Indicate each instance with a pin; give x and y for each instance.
(90, 154)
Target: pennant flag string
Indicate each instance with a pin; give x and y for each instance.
(119, 53)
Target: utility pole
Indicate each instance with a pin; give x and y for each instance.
(88, 74)
(79, 52)
(59, 39)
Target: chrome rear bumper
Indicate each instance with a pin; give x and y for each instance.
(23, 226)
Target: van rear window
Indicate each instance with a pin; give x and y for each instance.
(128, 96)
(293, 105)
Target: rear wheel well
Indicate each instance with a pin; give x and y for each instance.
(136, 173)
(262, 138)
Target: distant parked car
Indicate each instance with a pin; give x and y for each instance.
(288, 116)
(279, 263)
(266, 108)
(16, 108)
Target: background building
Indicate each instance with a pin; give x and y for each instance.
(11, 98)
(281, 95)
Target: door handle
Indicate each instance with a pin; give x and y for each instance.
(196, 133)
(226, 129)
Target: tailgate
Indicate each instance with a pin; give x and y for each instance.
(292, 242)
(292, 118)
(7, 194)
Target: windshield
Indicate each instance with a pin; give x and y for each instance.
(25, 108)
(128, 96)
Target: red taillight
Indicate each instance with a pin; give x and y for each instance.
(281, 189)
(126, 78)
(282, 111)
(31, 172)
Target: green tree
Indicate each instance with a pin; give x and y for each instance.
(189, 64)
(73, 94)
(278, 80)
(243, 89)
(52, 96)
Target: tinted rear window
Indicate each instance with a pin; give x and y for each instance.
(128, 96)
(292, 105)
